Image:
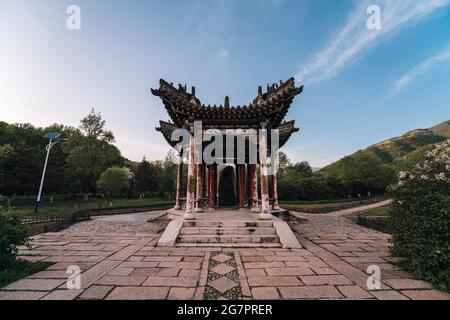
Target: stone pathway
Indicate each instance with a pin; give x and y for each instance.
(127, 265)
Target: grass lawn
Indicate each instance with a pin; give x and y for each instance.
(329, 206)
(21, 269)
(25, 208)
(378, 212)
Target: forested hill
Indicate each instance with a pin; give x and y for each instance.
(410, 144)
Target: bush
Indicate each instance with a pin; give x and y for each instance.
(421, 217)
(12, 234)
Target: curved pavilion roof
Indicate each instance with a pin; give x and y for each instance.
(271, 107)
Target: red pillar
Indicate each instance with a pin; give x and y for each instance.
(240, 168)
(212, 185)
(199, 200)
(254, 187)
(275, 192)
(190, 195)
(263, 175)
(249, 187)
(179, 176)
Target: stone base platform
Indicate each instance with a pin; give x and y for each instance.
(227, 228)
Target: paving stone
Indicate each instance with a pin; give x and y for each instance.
(354, 292)
(138, 293)
(388, 295)
(139, 264)
(22, 295)
(171, 281)
(169, 272)
(63, 294)
(255, 272)
(35, 284)
(120, 280)
(181, 294)
(221, 257)
(135, 258)
(426, 295)
(192, 259)
(163, 258)
(265, 293)
(222, 269)
(145, 272)
(96, 292)
(323, 271)
(184, 265)
(50, 274)
(259, 265)
(325, 280)
(121, 271)
(310, 292)
(273, 281)
(223, 284)
(253, 259)
(194, 273)
(407, 284)
(297, 271)
(89, 276)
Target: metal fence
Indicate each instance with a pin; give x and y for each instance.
(57, 223)
(378, 223)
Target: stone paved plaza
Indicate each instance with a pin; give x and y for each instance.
(117, 263)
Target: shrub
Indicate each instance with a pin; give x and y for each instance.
(421, 217)
(12, 234)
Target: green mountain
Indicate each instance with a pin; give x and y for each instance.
(410, 145)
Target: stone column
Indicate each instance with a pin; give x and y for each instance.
(199, 200)
(241, 177)
(189, 215)
(263, 171)
(212, 186)
(275, 192)
(179, 176)
(253, 187)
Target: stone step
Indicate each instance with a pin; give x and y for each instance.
(228, 238)
(227, 231)
(228, 224)
(230, 245)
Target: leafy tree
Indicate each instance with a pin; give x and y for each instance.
(93, 152)
(12, 234)
(114, 180)
(147, 177)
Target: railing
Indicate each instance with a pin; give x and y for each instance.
(378, 223)
(97, 212)
(64, 223)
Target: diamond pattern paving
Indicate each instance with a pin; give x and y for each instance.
(222, 269)
(221, 257)
(223, 284)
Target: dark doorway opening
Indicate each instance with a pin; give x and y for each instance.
(227, 190)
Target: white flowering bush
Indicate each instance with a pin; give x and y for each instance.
(421, 217)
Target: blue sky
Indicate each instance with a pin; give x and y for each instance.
(361, 86)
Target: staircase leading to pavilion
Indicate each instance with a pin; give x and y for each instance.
(228, 233)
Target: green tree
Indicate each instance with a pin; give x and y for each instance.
(114, 180)
(12, 234)
(147, 177)
(92, 152)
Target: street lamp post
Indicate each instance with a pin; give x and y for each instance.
(52, 136)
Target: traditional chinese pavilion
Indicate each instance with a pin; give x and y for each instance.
(227, 184)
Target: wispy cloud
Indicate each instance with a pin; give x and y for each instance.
(354, 38)
(421, 68)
